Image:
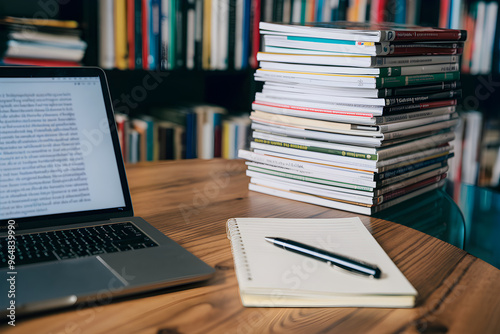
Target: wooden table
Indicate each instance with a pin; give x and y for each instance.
(190, 201)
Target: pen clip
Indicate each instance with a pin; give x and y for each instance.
(351, 272)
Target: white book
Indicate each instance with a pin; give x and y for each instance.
(402, 70)
(24, 49)
(353, 162)
(190, 35)
(357, 151)
(336, 91)
(456, 12)
(354, 167)
(375, 110)
(334, 204)
(327, 114)
(304, 165)
(262, 179)
(472, 139)
(307, 188)
(264, 275)
(296, 10)
(478, 39)
(106, 34)
(375, 140)
(68, 41)
(370, 141)
(327, 177)
(490, 25)
(223, 25)
(355, 61)
(347, 191)
(166, 16)
(214, 34)
(287, 8)
(495, 174)
(268, 11)
(238, 46)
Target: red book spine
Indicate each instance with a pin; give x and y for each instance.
(217, 141)
(256, 33)
(145, 34)
(426, 51)
(408, 189)
(438, 104)
(131, 33)
(381, 11)
(444, 10)
(435, 35)
(40, 62)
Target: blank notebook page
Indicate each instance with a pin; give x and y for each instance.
(264, 269)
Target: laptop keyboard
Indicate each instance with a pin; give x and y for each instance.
(73, 243)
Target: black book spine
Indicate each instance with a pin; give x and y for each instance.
(405, 169)
(418, 106)
(138, 33)
(198, 34)
(419, 90)
(393, 101)
(169, 144)
(342, 10)
(180, 37)
(231, 34)
(278, 10)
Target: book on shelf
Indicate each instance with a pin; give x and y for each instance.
(265, 279)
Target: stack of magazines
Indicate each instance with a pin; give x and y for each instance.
(351, 116)
(41, 42)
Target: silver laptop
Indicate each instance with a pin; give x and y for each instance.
(68, 234)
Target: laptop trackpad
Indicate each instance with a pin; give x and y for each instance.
(60, 282)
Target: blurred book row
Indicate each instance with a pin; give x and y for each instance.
(184, 132)
(41, 42)
(477, 147)
(169, 34)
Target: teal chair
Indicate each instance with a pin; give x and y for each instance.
(434, 213)
(481, 208)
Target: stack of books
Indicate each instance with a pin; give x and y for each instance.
(41, 42)
(353, 117)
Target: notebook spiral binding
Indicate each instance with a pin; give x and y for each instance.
(237, 247)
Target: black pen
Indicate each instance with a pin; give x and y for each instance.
(340, 261)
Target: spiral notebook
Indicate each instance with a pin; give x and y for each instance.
(272, 277)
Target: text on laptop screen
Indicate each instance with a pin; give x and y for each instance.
(56, 152)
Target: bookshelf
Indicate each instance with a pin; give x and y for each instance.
(234, 89)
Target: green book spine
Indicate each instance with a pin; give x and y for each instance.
(411, 80)
(319, 149)
(394, 71)
(309, 179)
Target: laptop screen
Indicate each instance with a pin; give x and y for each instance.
(57, 154)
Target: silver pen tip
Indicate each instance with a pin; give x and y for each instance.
(270, 239)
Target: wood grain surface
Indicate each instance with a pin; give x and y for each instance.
(190, 202)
